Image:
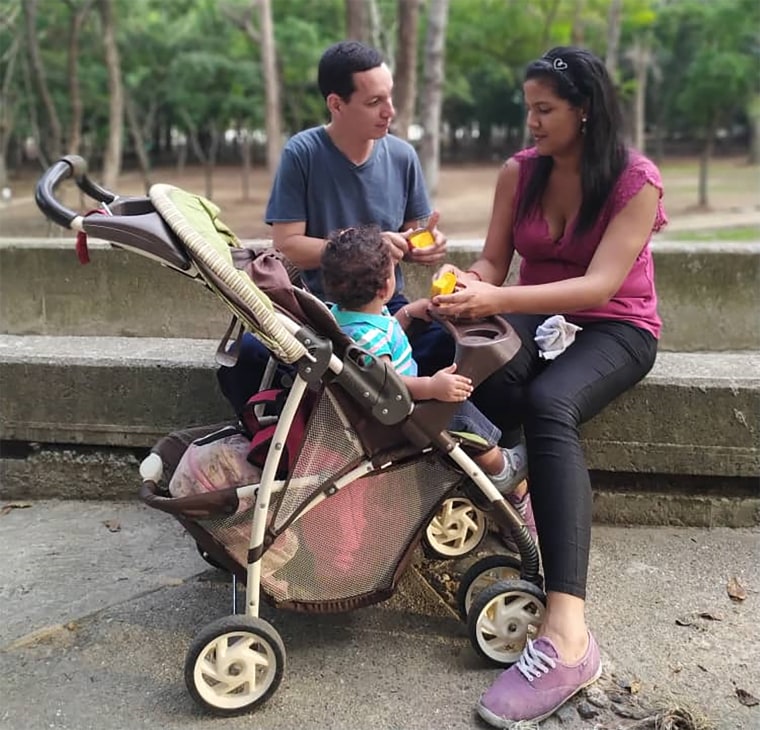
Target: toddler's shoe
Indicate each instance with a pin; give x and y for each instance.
(538, 684)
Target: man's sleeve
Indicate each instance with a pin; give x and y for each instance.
(287, 199)
(417, 200)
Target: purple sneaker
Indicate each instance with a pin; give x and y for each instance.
(524, 507)
(538, 685)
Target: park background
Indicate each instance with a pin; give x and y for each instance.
(203, 94)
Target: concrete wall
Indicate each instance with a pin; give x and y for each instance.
(708, 294)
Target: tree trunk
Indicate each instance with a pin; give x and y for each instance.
(753, 114)
(7, 109)
(405, 76)
(78, 15)
(138, 139)
(704, 165)
(641, 58)
(614, 22)
(272, 86)
(245, 153)
(112, 157)
(432, 93)
(577, 32)
(357, 20)
(52, 144)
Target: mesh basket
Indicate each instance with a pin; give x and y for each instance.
(330, 444)
(350, 544)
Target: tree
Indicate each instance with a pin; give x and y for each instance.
(357, 20)
(7, 89)
(112, 157)
(78, 14)
(405, 75)
(432, 92)
(50, 145)
(263, 36)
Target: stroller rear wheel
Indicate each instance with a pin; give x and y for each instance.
(456, 530)
(503, 617)
(234, 665)
(482, 574)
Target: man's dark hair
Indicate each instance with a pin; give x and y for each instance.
(581, 78)
(340, 62)
(356, 263)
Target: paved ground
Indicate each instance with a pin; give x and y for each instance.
(100, 600)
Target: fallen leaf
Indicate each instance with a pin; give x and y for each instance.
(711, 616)
(6, 508)
(113, 525)
(684, 622)
(736, 591)
(746, 698)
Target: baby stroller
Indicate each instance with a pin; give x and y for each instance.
(332, 524)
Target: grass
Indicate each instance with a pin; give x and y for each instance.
(750, 234)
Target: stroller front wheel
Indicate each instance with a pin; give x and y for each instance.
(234, 665)
(503, 617)
(457, 529)
(482, 574)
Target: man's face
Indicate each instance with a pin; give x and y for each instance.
(369, 111)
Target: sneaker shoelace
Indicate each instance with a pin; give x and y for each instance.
(533, 663)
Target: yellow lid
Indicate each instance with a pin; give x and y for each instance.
(444, 284)
(422, 238)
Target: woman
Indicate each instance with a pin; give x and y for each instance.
(580, 208)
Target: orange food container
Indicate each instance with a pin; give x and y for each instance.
(444, 284)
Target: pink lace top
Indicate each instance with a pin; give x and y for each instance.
(545, 260)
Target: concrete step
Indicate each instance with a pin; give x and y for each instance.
(79, 412)
(707, 292)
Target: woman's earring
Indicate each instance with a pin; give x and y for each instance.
(583, 125)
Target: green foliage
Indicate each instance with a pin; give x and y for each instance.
(188, 60)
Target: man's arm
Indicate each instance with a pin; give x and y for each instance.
(291, 240)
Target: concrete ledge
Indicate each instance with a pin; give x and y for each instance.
(695, 414)
(708, 293)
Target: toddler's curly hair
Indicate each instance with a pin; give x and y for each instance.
(355, 265)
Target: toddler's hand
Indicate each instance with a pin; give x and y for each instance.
(445, 385)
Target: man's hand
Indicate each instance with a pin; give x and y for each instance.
(430, 255)
(398, 244)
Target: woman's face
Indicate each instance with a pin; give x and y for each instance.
(554, 123)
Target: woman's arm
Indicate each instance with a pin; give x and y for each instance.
(498, 250)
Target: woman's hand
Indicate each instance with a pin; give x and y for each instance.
(473, 300)
(446, 385)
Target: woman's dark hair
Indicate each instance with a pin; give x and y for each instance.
(356, 264)
(581, 78)
(340, 62)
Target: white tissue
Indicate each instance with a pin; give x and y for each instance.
(554, 336)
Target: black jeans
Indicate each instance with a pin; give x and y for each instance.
(550, 400)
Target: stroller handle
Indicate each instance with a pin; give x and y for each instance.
(45, 192)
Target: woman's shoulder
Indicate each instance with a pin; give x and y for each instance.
(638, 172)
(525, 156)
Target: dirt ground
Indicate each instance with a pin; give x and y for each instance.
(464, 196)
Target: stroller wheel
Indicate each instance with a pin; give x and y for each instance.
(235, 664)
(482, 574)
(456, 529)
(503, 617)
(207, 557)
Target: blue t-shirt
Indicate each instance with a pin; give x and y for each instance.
(380, 334)
(316, 183)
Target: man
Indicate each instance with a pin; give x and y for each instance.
(349, 172)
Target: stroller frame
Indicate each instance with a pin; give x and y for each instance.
(153, 227)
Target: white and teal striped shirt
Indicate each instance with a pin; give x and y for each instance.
(380, 334)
